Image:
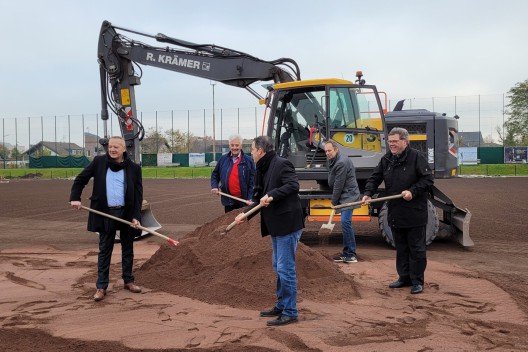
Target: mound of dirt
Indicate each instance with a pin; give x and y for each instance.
(235, 268)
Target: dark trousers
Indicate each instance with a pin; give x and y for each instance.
(236, 205)
(106, 247)
(411, 259)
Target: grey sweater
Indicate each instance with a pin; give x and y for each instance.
(342, 180)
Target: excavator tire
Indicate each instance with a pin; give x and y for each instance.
(431, 229)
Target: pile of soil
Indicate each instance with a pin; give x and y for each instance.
(235, 269)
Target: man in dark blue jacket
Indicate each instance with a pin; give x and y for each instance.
(405, 171)
(234, 175)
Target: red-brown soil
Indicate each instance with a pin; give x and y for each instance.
(205, 294)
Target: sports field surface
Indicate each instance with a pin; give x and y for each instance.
(206, 293)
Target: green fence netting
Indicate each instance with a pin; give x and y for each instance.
(491, 155)
(58, 162)
(177, 159)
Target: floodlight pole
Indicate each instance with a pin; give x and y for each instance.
(214, 139)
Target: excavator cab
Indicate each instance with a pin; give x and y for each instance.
(308, 113)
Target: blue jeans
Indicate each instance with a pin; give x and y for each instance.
(349, 239)
(283, 261)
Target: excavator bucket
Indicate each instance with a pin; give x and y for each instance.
(148, 220)
(455, 221)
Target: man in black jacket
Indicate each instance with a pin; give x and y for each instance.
(118, 191)
(277, 190)
(405, 171)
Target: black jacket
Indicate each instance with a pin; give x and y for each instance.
(284, 215)
(408, 172)
(98, 201)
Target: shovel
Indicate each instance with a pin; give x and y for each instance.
(373, 200)
(233, 197)
(170, 240)
(326, 229)
(245, 215)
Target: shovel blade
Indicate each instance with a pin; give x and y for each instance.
(326, 229)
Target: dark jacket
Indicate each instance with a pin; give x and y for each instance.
(284, 214)
(98, 201)
(408, 172)
(342, 180)
(246, 173)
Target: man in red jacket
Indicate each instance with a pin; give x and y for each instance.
(233, 174)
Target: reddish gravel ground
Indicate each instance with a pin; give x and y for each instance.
(205, 294)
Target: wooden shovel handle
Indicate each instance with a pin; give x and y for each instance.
(373, 200)
(170, 240)
(246, 214)
(233, 197)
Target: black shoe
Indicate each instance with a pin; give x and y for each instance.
(274, 312)
(400, 283)
(416, 289)
(282, 320)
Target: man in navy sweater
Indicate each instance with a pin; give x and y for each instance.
(234, 175)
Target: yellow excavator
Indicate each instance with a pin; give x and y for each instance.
(300, 115)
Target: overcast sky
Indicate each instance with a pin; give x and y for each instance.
(407, 48)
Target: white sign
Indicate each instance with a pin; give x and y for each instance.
(165, 159)
(467, 155)
(349, 138)
(196, 159)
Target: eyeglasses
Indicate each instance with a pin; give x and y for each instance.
(395, 141)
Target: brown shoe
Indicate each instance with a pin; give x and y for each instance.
(132, 287)
(99, 294)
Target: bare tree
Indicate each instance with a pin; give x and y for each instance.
(517, 124)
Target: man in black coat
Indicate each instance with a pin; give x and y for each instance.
(118, 191)
(277, 190)
(405, 171)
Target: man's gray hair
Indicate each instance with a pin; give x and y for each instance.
(402, 132)
(235, 137)
(264, 143)
(334, 144)
(120, 138)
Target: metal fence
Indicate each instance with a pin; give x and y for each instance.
(483, 113)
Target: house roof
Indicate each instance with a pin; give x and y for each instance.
(59, 148)
(88, 134)
(471, 136)
(471, 139)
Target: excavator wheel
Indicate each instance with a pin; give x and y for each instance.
(431, 229)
